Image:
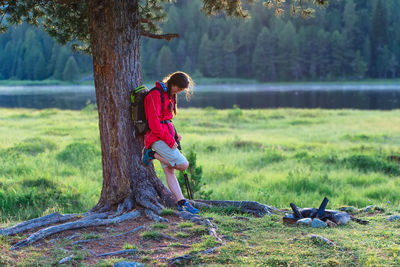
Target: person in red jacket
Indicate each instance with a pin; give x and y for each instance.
(161, 139)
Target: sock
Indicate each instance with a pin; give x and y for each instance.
(181, 202)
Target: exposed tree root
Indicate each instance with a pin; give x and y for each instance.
(67, 259)
(152, 216)
(99, 208)
(364, 222)
(37, 222)
(325, 240)
(126, 251)
(114, 253)
(127, 205)
(91, 220)
(251, 207)
(212, 228)
(180, 260)
(185, 259)
(168, 237)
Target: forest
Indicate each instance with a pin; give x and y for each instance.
(349, 40)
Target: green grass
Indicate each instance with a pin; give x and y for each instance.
(50, 161)
(185, 225)
(129, 246)
(159, 226)
(90, 236)
(181, 234)
(150, 235)
(166, 212)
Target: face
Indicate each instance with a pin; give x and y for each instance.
(176, 90)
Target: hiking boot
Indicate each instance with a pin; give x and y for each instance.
(188, 207)
(147, 156)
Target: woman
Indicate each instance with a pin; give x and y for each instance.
(161, 139)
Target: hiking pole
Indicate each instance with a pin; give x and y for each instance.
(185, 175)
(189, 191)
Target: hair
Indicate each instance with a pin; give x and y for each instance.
(182, 80)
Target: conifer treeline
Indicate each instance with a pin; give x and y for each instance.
(27, 53)
(351, 39)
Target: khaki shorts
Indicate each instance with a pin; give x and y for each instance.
(173, 156)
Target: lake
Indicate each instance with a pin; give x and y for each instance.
(326, 96)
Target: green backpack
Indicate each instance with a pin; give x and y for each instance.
(137, 107)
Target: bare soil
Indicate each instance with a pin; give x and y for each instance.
(156, 251)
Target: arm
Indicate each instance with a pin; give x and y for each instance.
(152, 104)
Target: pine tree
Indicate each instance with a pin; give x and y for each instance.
(40, 72)
(204, 55)
(287, 47)
(166, 62)
(393, 65)
(359, 66)
(111, 32)
(71, 70)
(350, 33)
(61, 60)
(264, 57)
(378, 38)
(349, 23)
(336, 57)
(6, 66)
(188, 66)
(180, 54)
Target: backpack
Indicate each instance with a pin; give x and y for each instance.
(137, 108)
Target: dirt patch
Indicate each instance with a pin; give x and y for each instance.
(154, 250)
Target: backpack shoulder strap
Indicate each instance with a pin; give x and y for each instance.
(161, 96)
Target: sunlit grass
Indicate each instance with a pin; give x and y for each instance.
(50, 159)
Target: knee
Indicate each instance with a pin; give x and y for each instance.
(169, 169)
(183, 166)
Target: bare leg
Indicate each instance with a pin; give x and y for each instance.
(161, 159)
(173, 183)
(180, 167)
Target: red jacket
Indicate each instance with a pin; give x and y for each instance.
(154, 116)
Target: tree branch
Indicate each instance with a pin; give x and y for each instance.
(68, 2)
(167, 36)
(5, 12)
(148, 21)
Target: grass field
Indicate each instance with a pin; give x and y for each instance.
(51, 160)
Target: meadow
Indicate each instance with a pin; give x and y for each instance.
(51, 160)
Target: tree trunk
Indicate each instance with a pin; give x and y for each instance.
(114, 28)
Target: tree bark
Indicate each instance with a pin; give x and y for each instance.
(114, 28)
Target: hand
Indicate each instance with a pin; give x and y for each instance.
(175, 145)
(179, 137)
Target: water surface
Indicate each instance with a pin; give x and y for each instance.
(328, 96)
